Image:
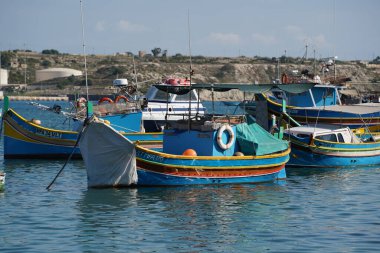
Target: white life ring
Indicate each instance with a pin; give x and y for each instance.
(230, 140)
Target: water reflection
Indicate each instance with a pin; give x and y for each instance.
(188, 216)
(337, 173)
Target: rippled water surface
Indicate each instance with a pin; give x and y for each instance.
(334, 210)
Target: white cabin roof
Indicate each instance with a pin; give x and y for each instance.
(345, 132)
(120, 82)
(311, 129)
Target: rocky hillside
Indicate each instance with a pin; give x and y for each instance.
(103, 69)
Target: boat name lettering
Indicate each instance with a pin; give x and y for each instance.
(48, 133)
(149, 157)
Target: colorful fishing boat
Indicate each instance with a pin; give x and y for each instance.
(164, 106)
(158, 107)
(123, 114)
(29, 139)
(321, 104)
(203, 150)
(331, 146)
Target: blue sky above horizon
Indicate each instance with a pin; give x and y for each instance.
(344, 28)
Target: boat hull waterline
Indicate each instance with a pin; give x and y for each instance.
(141, 166)
(25, 139)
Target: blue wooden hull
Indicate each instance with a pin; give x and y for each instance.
(329, 154)
(23, 139)
(309, 115)
(149, 178)
(130, 122)
(157, 168)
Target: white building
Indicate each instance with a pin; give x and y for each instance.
(46, 74)
(3, 77)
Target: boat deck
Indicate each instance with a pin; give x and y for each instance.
(356, 109)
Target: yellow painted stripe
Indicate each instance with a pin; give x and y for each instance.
(345, 149)
(11, 132)
(140, 133)
(182, 157)
(193, 167)
(362, 143)
(275, 103)
(309, 117)
(18, 132)
(335, 149)
(41, 127)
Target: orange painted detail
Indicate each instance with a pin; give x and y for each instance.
(189, 152)
(105, 99)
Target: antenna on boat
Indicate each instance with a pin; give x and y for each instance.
(191, 67)
(0, 68)
(84, 55)
(134, 69)
(314, 64)
(334, 41)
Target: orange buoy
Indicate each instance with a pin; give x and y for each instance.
(105, 99)
(121, 97)
(284, 78)
(36, 121)
(189, 152)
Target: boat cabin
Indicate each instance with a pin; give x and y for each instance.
(319, 95)
(341, 135)
(156, 95)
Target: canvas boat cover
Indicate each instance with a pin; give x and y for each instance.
(254, 140)
(253, 88)
(109, 156)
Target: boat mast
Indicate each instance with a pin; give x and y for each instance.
(84, 52)
(0, 68)
(134, 70)
(191, 67)
(314, 65)
(25, 67)
(334, 41)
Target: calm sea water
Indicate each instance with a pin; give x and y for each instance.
(334, 210)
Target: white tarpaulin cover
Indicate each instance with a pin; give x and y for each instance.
(110, 158)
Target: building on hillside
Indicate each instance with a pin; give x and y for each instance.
(46, 74)
(3, 77)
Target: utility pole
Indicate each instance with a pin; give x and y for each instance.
(0, 68)
(25, 64)
(314, 66)
(278, 70)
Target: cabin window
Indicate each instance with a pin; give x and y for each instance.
(160, 95)
(303, 135)
(278, 94)
(340, 138)
(329, 97)
(327, 137)
(185, 97)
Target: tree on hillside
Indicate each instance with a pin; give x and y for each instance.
(165, 53)
(46, 63)
(6, 58)
(83, 82)
(50, 51)
(115, 70)
(376, 60)
(156, 51)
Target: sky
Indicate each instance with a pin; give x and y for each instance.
(348, 29)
